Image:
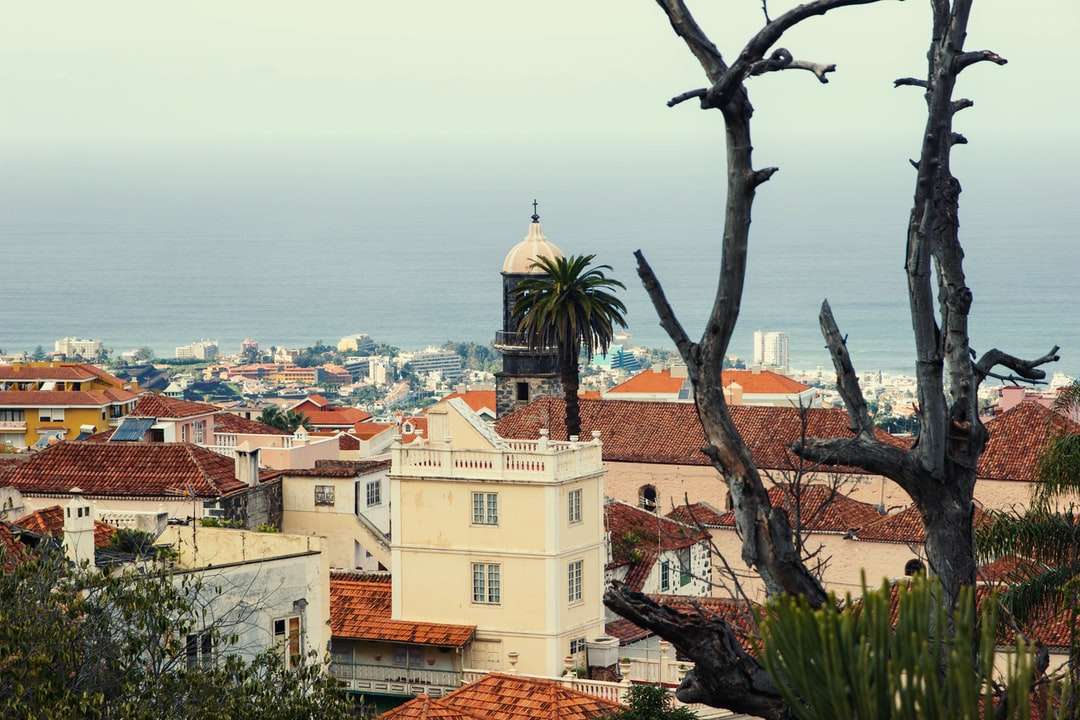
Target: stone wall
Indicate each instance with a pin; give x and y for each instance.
(259, 505)
(506, 391)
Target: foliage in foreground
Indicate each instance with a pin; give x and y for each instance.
(78, 644)
(830, 663)
(651, 702)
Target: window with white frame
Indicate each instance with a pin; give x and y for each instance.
(51, 415)
(324, 494)
(577, 645)
(574, 579)
(199, 649)
(287, 639)
(374, 493)
(485, 508)
(574, 500)
(200, 431)
(487, 583)
(665, 576)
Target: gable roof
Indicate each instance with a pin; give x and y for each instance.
(62, 398)
(697, 513)
(50, 521)
(163, 406)
(14, 550)
(228, 422)
(752, 382)
(367, 429)
(510, 697)
(1017, 439)
(127, 469)
(904, 527)
(821, 509)
(477, 400)
(361, 610)
(345, 418)
(77, 372)
(670, 432)
(637, 537)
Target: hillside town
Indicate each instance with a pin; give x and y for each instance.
(343, 483)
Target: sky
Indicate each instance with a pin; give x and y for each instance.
(343, 151)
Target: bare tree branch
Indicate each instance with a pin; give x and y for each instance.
(967, 59)
(668, 321)
(1026, 370)
(782, 59)
(914, 82)
(847, 382)
(724, 675)
(689, 95)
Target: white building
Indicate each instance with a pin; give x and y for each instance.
(360, 343)
(445, 362)
(78, 347)
(771, 349)
(198, 350)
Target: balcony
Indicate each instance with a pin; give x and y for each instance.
(507, 339)
(516, 460)
(12, 426)
(388, 680)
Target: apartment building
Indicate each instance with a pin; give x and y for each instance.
(75, 347)
(198, 350)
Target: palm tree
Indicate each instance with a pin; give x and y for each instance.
(569, 306)
(1046, 537)
(287, 420)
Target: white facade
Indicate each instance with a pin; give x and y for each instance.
(360, 343)
(78, 347)
(199, 350)
(771, 349)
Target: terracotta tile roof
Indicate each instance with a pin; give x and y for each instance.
(162, 406)
(511, 697)
(695, 513)
(763, 382)
(1007, 569)
(50, 521)
(670, 432)
(339, 469)
(61, 398)
(824, 510)
(637, 536)
(33, 373)
(589, 394)
(905, 527)
(127, 469)
(626, 631)
(423, 707)
(361, 610)
(318, 400)
(338, 417)
(227, 422)
(367, 430)
(381, 576)
(1017, 438)
(476, 399)
(347, 441)
(417, 423)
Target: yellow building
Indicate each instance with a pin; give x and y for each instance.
(40, 402)
(506, 535)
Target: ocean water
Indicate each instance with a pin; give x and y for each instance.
(289, 245)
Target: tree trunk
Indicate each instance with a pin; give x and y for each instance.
(569, 369)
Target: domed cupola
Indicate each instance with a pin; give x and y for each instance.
(520, 259)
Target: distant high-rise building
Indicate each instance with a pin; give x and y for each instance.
(771, 349)
(200, 350)
(73, 347)
(360, 343)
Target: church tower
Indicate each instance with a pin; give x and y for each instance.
(526, 373)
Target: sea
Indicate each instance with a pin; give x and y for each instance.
(294, 243)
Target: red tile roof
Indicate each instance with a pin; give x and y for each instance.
(344, 418)
(823, 509)
(637, 536)
(753, 382)
(736, 613)
(905, 527)
(162, 406)
(35, 373)
(227, 422)
(1017, 438)
(697, 513)
(127, 469)
(50, 521)
(626, 631)
(476, 399)
(367, 430)
(670, 432)
(62, 398)
(509, 697)
(361, 610)
(339, 469)
(1008, 569)
(14, 550)
(423, 708)
(347, 441)
(418, 423)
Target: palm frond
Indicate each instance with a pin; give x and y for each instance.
(1044, 537)
(1025, 597)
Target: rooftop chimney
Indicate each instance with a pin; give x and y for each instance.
(247, 464)
(79, 529)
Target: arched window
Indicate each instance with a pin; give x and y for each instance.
(913, 567)
(647, 498)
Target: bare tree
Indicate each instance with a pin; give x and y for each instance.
(938, 472)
